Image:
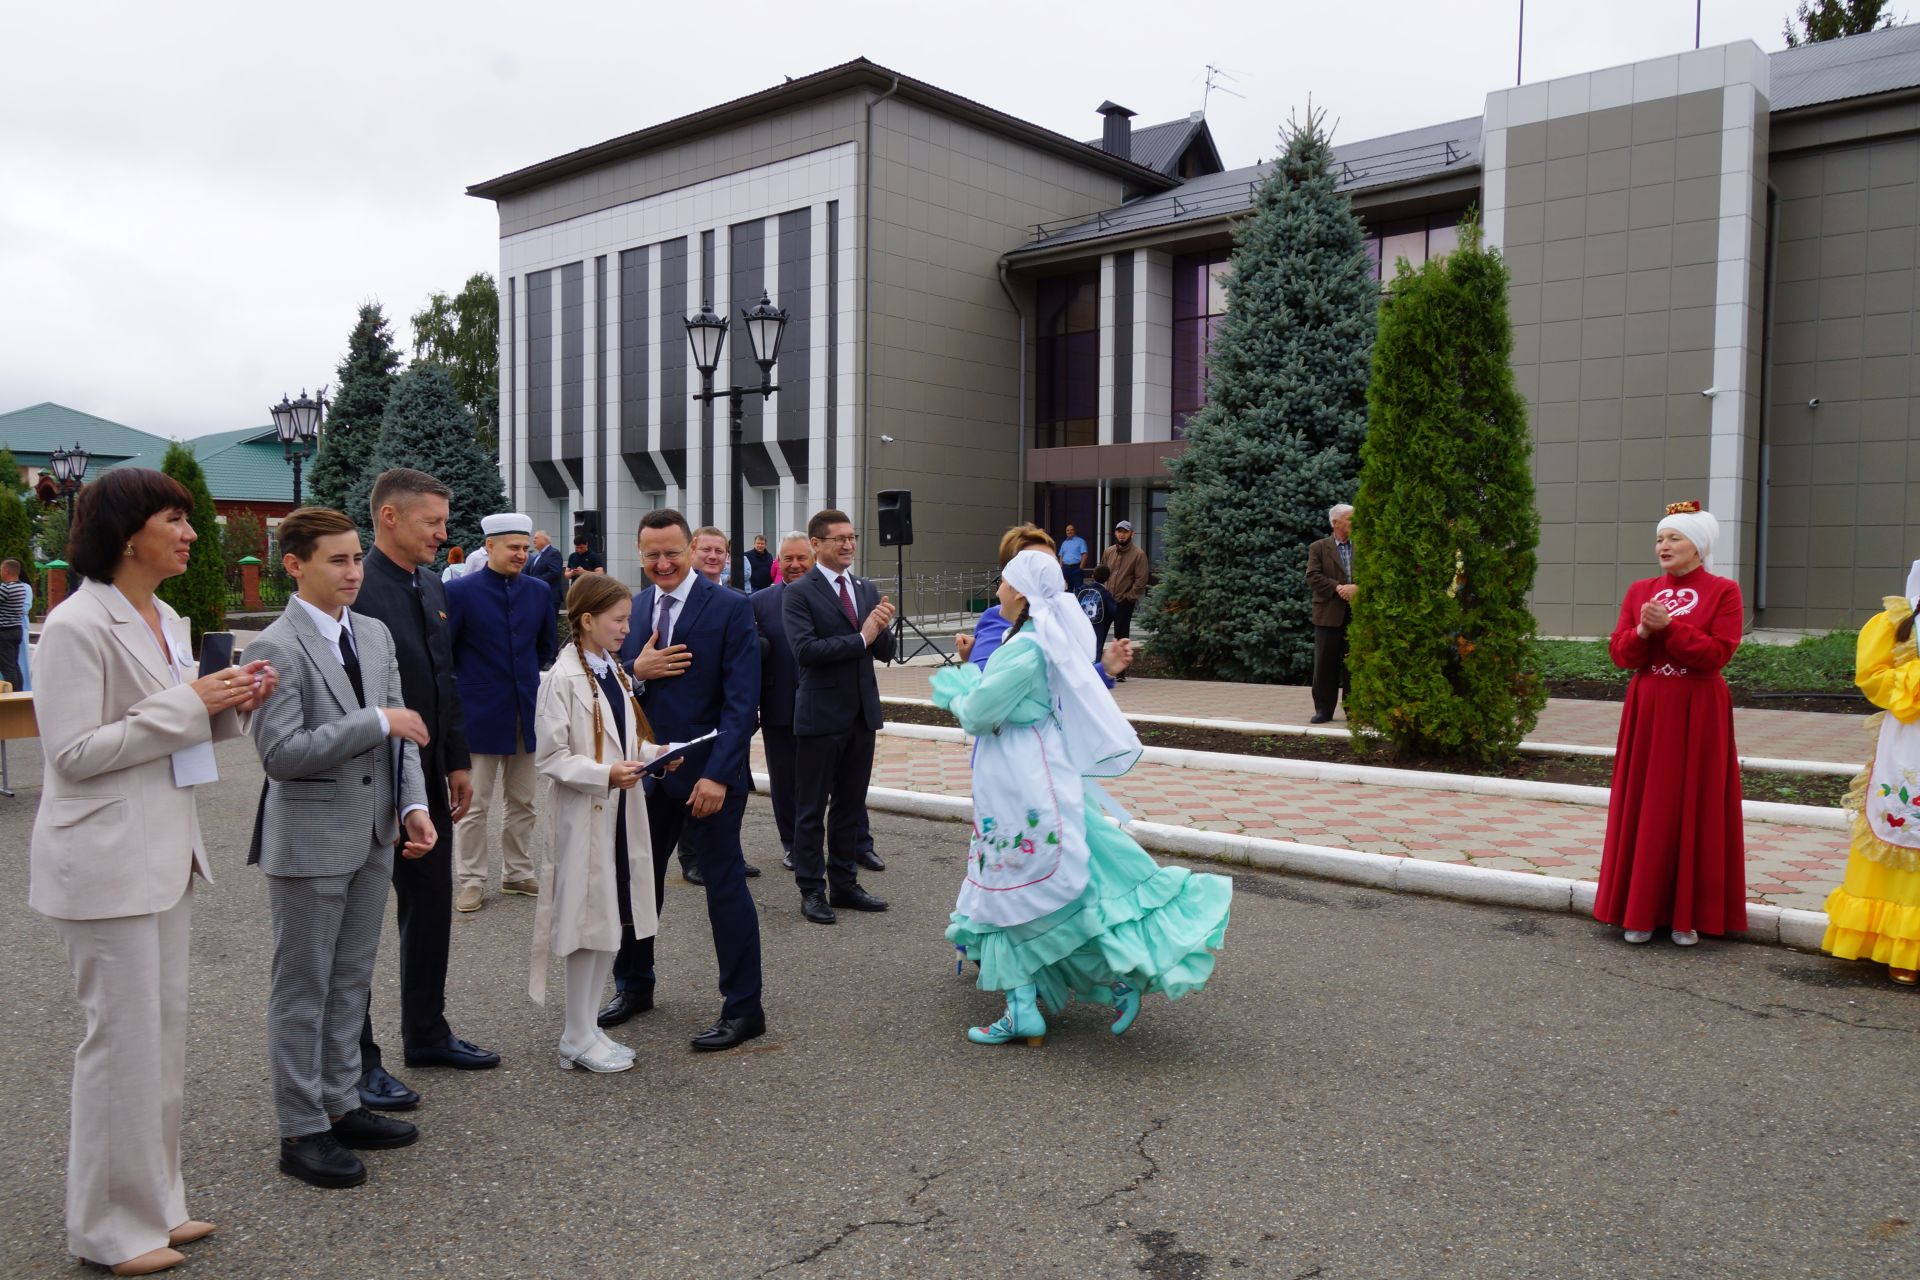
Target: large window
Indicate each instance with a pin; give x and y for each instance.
(1199, 306)
(1067, 366)
(1415, 239)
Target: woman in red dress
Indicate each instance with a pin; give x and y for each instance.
(1676, 851)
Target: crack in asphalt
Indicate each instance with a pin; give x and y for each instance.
(849, 1230)
(1761, 1011)
(1142, 1179)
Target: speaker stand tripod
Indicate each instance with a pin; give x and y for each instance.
(901, 623)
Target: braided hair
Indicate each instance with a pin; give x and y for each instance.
(595, 593)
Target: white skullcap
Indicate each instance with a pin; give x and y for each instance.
(1697, 527)
(506, 522)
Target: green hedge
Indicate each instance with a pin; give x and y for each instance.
(1816, 664)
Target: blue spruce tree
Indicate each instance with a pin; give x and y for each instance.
(426, 427)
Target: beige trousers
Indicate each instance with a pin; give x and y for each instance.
(516, 776)
(124, 1192)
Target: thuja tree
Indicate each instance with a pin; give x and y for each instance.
(352, 429)
(16, 516)
(1445, 529)
(1277, 443)
(199, 594)
(426, 427)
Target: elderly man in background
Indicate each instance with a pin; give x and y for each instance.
(501, 624)
(1330, 577)
(546, 565)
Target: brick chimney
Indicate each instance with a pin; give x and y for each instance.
(1116, 134)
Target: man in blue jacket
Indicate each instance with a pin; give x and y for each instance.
(694, 652)
(501, 625)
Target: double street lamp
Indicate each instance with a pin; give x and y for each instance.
(707, 332)
(297, 423)
(69, 467)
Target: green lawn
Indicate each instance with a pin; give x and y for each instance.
(1817, 664)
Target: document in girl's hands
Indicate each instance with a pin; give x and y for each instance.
(679, 750)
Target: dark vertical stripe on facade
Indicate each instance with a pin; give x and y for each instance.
(540, 367)
(704, 444)
(573, 369)
(820, 500)
(796, 348)
(634, 376)
(746, 279)
(509, 421)
(1123, 347)
(600, 358)
(672, 324)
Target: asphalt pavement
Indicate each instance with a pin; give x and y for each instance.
(1372, 1086)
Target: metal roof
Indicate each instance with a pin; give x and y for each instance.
(1850, 67)
(33, 433)
(1160, 146)
(246, 465)
(1427, 152)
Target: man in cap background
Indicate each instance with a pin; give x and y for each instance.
(501, 624)
(1126, 578)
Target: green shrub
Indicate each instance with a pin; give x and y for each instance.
(199, 594)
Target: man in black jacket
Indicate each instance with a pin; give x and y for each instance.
(838, 626)
(779, 680)
(409, 523)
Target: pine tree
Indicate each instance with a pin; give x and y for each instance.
(352, 427)
(1278, 440)
(463, 333)
(199, 594)
(1445, 529)
(427, 428)
(16, 518)
(1831, 19)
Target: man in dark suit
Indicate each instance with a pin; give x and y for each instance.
(410, 511)
(838, 625)
(1330, 577)
(545, 565)
(779, 678)
(695, 655)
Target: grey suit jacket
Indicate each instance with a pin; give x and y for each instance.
(331, 769)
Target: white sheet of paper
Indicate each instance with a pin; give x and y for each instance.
(194, 766)
(677, 749)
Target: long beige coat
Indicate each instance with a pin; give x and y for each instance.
(579, 897)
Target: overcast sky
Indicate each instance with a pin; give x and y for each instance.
(196, 197)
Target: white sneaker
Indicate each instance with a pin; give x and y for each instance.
(593, 1059)
(1639, 936)
(1685, 937)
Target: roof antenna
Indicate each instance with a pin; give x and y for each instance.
(1215, 74)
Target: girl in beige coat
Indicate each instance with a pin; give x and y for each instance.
(591, 744)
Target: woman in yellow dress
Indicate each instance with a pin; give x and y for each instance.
(1875, 913)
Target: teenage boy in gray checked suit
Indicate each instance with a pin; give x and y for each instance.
(341, 786)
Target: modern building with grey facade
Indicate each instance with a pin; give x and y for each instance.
(1713, 295)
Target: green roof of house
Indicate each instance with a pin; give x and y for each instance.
(246, 466)
(35, 432)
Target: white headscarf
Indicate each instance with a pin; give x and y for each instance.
(1697, 527)
(1913, 582)
(1101, 742)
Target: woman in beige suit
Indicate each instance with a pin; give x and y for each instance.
(128, 733)
(591, 742)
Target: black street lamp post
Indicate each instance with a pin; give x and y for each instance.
(297, 423)
(69, 467)
(707, 332)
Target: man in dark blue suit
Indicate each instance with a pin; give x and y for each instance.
(779, 678)
(839, 625)
(547, 566)
(695, 654)
(501, 625)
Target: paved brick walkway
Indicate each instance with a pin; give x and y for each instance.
(1788, 866)
(1795, 735)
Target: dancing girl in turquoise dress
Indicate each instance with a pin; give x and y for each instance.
(1059, 902)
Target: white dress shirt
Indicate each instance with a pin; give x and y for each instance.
(330, 628)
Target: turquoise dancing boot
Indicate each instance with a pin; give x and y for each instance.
(1022, 1020)
(1126, 1002)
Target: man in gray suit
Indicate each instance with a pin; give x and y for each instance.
(341, 785)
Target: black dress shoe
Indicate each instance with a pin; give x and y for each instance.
(461, 1055)
(814, 907)
(728, 1032)
(382, 1092)
(692, 874)
(870, 860)
(854, 898)
(624, 1006)
(364, 1130)
(320, 1161)
(786, 861)
(1319, 719)
(752, 870)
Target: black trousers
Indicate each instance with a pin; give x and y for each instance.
(831, 773)
(10, 655)
(778, 741)
(1123, 619)
(1329, 668)
(714, 842)
(423, 906)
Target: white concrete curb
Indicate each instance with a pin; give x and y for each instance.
(1803, 815)
(1782, 926)
(1257, 729)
